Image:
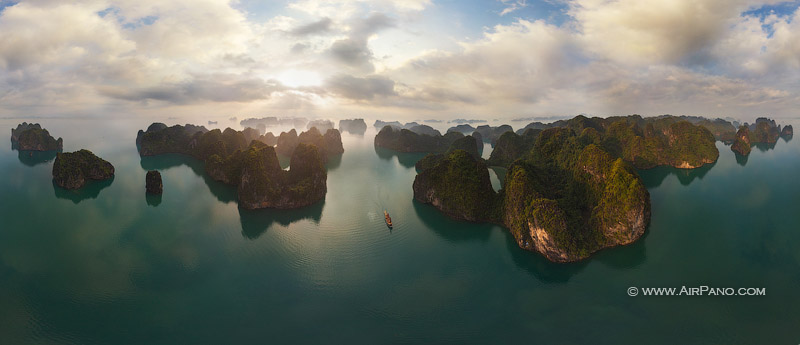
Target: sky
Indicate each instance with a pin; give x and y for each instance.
(403, 59)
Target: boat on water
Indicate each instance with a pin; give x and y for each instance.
(388, 219)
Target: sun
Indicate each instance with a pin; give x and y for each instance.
(298, 78)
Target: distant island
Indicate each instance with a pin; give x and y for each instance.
(355, 126)
(763, 131)
(72, 170)
(32, 137)
(405, 140)
(253, 167)
(571, 187)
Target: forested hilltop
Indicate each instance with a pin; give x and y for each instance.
(249, 161)
(572, 188)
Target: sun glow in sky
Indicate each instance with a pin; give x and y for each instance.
(297, 78)
(403, 59)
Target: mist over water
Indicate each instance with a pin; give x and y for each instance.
(108, 264)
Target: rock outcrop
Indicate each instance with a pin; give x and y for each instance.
(645, 143)
(741, 144)
(263, 184)
(72, 170)
(787, 131)
(253, 168)
(32, 137)
(321, 125)
(459, 186)
(153, 183)
(404, 140)
(490, 134)
(565, 199)
(510, 146)
(354, 126)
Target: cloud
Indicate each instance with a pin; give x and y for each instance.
(209, 88)
(512, 5)
(356, 88)
(319, 27)
(354, 51)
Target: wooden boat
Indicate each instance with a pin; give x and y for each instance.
(388, 219)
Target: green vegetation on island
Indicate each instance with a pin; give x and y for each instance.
(71, 170)
(763, 131)
(404, 140)
(32, 137)
(253, 167)
(643, 142)
(741, 143)
(566, 199)
(153, 183)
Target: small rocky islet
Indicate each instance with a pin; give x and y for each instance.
(153, 182)
(253, 166)
(72, 170)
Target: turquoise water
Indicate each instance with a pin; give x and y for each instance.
(110, 265)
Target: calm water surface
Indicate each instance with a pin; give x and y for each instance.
(109, 264)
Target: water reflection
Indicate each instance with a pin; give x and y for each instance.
(544, 270)
(406, 159)
(764, 147)
(741, 159)
(152, 199)
(787, 138)
(625, 257)
(333, 162)
(653, 178)
(450, 229)
(256, 222)
(32, 158)
(221, 191)
(500, 172)
(90, 191)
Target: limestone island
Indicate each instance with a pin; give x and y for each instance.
(763, 131)
(253, 167)
(71, 170)
(153, 183)
(405, 140)
(570, 189)
(354, 126)
(643, 142)
(32, 137)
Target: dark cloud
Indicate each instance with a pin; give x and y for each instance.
(199, 90)
(375, 22)
(357, 88)
(319, 27)
(353, 53)
(299, 48)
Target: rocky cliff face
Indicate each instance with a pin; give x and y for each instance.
(741, 144)
(287, 142)
(459, 186)
(254, 169)
(565, 199)
(510, 146)
(153, 183)
(32, 137)
(404, 140)
(263, 184)
(72, 170)
(787, 131)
